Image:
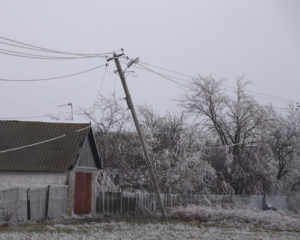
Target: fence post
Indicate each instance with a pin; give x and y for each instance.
(121, 204)
(28, 204)
(47, 201)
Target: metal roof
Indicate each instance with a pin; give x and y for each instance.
(56, 155)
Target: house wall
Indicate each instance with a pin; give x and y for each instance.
(32, 179)
(87, 158)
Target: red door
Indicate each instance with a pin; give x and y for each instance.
(83, 193)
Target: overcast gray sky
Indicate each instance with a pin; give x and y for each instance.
(225, 39)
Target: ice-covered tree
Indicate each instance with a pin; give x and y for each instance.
(234, 124)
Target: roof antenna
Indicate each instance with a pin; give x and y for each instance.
(69, 104)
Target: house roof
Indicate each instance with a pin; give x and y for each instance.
(41, 146)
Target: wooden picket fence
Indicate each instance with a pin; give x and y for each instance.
(123, 203)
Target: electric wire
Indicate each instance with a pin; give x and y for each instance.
(83, 129)
(38, 143)
(34, 144)
(224, 146)
(224, 85)
(159, 74)
(48, 57)
(31, 94)
(60, 98)
(46, 51)
(55, 51)
(167, 70)
(190, 87)
(44, 56)
(101, 85)
(268, 98)
(41, 116)
(53, 78)
(260, 97)
(187, 81)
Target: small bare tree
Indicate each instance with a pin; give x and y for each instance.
(282, 137)
(110, 120)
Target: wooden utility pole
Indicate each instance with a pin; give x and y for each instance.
(147, 158)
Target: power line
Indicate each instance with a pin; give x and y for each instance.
(46, 51)
(61, 98)
(25, 55)
(285, 99)
(148, 69)
(187, 81)
(38, 143)
(167, 70)
(191, 88)
(31, 93)
(101, 85)
(260, 96)
(41, 116)
(168, 77)
(83, 129)
(55, 51)
(34, 144)
(53, 78)
(223, 84)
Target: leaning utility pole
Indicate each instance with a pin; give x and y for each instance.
(131, 107)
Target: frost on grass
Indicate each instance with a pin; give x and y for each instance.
(138, 230)
(238, 214)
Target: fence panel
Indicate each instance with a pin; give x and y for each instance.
(13, 204)
(186, 199)
(145, 202)
(116, 203)
(278, 202)
(38, 203)
(172, 200)
(256, 201)
(109, 203)
(128, 203)
(58, 196)
(207, 199)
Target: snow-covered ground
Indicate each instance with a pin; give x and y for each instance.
(143, 230)
(238, 214)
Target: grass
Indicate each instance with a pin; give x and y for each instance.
(211, 221)
(238, 215)
(138, 228)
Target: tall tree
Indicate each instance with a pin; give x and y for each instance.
(234, 121)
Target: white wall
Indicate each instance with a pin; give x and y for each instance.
(32, 179)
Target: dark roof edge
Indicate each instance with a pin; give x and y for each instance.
(48, 121)
(76, 160)
(93, 142)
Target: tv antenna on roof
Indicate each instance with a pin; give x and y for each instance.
(69, 104)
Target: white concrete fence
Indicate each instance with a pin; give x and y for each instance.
(18, 204)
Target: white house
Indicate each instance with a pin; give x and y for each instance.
(34, 154)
